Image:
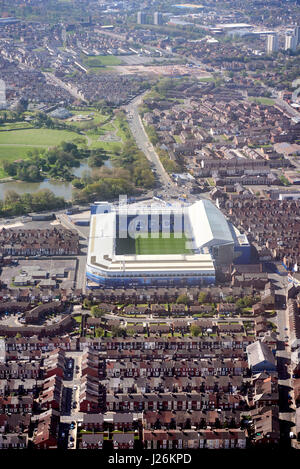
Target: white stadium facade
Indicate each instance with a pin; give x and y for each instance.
(207, 240)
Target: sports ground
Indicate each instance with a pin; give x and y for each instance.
(152, 246)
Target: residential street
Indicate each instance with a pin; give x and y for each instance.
(72, 388)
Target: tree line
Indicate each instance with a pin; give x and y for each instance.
(129, 175)
(15, 204)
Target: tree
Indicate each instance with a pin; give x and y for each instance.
(97, 158)
(195, 330)
(229, 299)
(117, 331)
(183, 299)
(99, 332)
(240, 303)
(77, 183)
(87, 303)
(203, 297)
(97, 312)
(248, 301)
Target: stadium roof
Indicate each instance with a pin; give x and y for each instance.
(209, 225)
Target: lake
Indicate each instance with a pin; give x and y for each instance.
(60, 188)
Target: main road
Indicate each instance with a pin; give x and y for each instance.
(143, 141)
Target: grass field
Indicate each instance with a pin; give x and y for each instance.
(152, 246)
(15, 125)
(95, 137)
(15, 144)
(265, 101)
(39, 137)
(101, 61)
(206, 79)
(11, 153)
(161, 245)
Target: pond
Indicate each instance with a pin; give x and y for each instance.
(60, 188)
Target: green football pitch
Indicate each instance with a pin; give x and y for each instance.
(170, 245)
(152, 246)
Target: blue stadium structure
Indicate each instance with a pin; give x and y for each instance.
(207, 240)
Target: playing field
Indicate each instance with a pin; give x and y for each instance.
(152, 246)
(101, 60)
(262, 100)
(36, 137)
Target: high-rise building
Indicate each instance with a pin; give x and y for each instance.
(272, 43)
(2, 94)
(141, 17)
(290, 42)
(158, 18)
(297, 34)
(64, 34)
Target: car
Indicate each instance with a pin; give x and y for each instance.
(75, 387)
(71, 438)
(74, 405)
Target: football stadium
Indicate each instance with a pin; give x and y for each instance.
(159, 244)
